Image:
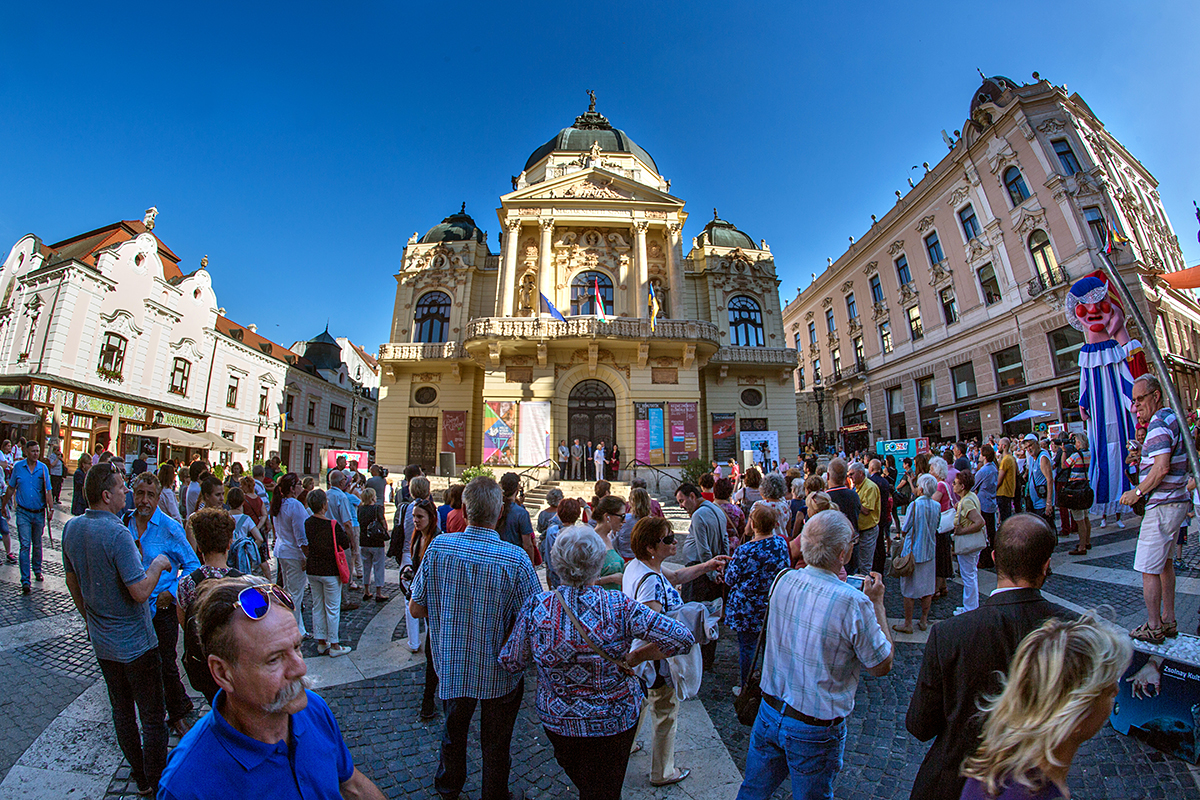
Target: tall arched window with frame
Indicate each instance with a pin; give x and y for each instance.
(431, 323)
(1014, 181)
(1044, 264)
(745, 322)
(584, 288)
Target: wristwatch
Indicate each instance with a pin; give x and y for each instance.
(1138, 491)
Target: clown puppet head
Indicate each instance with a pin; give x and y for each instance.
(1095, 309)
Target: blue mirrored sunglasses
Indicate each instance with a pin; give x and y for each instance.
(255, 600)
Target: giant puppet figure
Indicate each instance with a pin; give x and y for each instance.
(1109, 361)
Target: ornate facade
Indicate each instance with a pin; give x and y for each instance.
(590, 222)
(946, 317)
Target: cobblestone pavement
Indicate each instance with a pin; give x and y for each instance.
(56, 735)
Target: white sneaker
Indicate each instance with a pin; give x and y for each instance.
(1120, 522)
(960, 610)
(338, 650)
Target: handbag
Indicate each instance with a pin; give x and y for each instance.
(1076, 495)
(746, 704)
(967, 543)
(339, 555)
(903, 566)
(946, 522)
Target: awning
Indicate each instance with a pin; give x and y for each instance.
(177, 437)
(16, 416)
(217, 442)
(1030, 414)
(1183, 279)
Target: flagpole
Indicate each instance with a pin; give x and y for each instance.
(1150, 345)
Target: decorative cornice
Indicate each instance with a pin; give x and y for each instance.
(896, 247)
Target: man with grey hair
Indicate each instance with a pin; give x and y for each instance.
(546, 515)
(1163, 473)
(820, 633)
(470, 586)
(341, 511)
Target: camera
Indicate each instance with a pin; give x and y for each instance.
(856, 581)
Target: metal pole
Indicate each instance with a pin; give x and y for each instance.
(1150, 345)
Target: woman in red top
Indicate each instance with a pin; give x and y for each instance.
(456, 520)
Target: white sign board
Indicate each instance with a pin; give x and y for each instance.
(752, 441)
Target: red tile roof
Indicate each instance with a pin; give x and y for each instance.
(244, 335)
(365, 356)
(86, 246)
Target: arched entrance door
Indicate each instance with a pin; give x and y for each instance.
(591, 413)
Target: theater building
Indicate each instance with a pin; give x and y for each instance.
(945, 318)
(477, 365)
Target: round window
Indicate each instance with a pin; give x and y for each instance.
(426, 395)
(751, 397)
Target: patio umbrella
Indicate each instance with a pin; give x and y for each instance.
(1031, 414)
(15, 416)
(177, 437)
(217, 442)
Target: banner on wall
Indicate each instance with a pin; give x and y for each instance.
(752, 441)
(454, 435)
(359, 457)
(648, 433)
(534, 432)
(500, 433)
(684, 424)
(724, 438)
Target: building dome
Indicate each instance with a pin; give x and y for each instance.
(591, 128)
(725, 234)
(990, 91)
(324, 351)
(454, 228)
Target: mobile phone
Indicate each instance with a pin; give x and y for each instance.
(856, 581)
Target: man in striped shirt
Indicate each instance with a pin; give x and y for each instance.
(1163, 483)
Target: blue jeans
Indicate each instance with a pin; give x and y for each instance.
(29, 532)
(780, 747)
(747, 644)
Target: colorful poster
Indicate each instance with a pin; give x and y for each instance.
(658, 445)
(454, 434)
(500, 433)
(724, 441)
(648, 433)
(685, 431)
(534, 436)
(361, 457)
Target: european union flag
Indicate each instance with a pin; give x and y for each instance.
(549, 308)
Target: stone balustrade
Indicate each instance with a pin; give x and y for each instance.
(590, 327)
(774, 356)
(415, 351)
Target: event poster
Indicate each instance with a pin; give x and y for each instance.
(1158, 700)
(648, 433)
(500, 433)
(753, 441)
(534, 432)
(684, 423)
(359, 458)
(454, 435)
(724, 440)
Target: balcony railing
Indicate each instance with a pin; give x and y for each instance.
(778, 356)
(590, 327)
(416, 351)
(849, 371)
(1044, 281)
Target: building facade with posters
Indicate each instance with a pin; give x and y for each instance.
(946, 317)
(476, 364)
(102, 335)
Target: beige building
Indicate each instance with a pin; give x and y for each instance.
(477, 365)
(946, 317)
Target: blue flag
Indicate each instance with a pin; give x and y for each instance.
(549, 308)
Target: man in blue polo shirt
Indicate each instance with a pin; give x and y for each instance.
(30, 481)
(156, 534)
(267, 735)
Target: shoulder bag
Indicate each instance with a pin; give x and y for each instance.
(968, 543)
(339, 555)
(746, 704)
(621, 665)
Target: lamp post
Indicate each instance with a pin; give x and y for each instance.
(819, 396)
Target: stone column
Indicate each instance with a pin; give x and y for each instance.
(508, 270)
(546, 264)
(675, 271)
(641, 276)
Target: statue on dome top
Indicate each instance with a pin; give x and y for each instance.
(148, 220)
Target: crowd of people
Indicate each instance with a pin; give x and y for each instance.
(792, 561)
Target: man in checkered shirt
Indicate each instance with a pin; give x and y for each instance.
(821, 632)
(470, 586)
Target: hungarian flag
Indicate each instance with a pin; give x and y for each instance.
(654, 307)
(599, 302)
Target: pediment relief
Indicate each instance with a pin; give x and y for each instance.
(122, 322)
(439, 257)
(187, 348)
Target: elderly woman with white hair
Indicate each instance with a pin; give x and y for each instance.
(579, 637)
(939, 469)
(920, 541)
(774, 497)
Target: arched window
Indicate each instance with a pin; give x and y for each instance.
(583, 293)
(854, 412)
(1043, 257)
(432, 320)
(1018, 192)
(745, 322)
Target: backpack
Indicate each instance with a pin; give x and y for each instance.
(396, 547)
(244, 556)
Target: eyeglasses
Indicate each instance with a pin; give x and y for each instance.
(1137, 398)
(255, 600)
(668, 539)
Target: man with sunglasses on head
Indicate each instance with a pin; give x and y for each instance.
(110, 587)
(267, 734)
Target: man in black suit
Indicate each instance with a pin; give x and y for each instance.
(964, 654)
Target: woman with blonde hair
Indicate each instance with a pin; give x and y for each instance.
(1058, 694)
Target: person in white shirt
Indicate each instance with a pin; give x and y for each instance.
(599, 457)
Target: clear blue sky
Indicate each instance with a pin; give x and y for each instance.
(299, 146)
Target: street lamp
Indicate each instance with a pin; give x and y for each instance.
(819, 396)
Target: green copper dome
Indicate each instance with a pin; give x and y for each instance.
(591, 128)
(454, 228)
(725, 234)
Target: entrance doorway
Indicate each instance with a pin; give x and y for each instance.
(591, 413)
(285, 454)
(423, 442)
